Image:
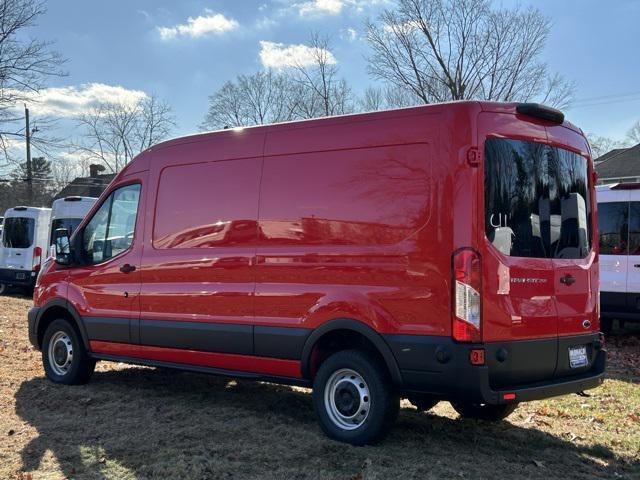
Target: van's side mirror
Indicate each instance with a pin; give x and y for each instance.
(62, 246)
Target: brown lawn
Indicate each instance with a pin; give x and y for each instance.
(143, 423)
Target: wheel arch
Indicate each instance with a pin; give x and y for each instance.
(357, 327)
(59, 308)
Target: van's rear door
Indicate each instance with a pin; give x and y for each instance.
(519, 310)
(18, 238)
(575, 261)
(540, 267)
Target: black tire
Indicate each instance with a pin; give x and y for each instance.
(3, 288)
(78, 366)
(606, 325)
(375, 394)
(481, 411)
(423, 402)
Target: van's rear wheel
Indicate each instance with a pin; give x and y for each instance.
(63, 356)
(353, 397)
(3, 288)
(483, 411)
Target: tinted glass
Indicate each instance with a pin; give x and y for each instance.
(110, 231)
(536, 200)
(613, 227)
(69, 223)
(634, 228)
(570, 205)
(18, 232)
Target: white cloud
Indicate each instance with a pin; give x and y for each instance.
(265, 23)
(310, 8)
(208, 24)
(279, 55)
(352, 34)
(74, 100)
(319, 7)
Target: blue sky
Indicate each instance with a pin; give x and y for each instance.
(151, 46)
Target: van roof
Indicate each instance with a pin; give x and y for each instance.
(619, 186)
(497, 107)
(23, 211)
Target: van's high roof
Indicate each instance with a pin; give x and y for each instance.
(478, 106)
(619, 186)
(23, 211)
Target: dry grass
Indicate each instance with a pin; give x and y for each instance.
(142, 423)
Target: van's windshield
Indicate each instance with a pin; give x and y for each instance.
(536, 200)
(18, 232)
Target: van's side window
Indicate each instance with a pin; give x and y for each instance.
(634, 228)
(613, 227)
(110, 231)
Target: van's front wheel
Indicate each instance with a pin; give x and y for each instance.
(353, 397)
(64, 358)
(483, 411)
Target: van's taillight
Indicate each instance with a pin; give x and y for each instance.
(37, 259)
(467, 291)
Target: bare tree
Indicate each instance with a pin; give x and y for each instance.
(464, 49)
(264, 97)
(309, 88)
(320, 91)
(25, 64)
(633, 135)
(601, 145)
(384, 98)
(114, 133)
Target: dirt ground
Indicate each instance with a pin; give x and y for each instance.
(144, 423)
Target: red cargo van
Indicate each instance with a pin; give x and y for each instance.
(444, 252)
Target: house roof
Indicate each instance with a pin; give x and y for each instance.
(619, 163)
(86, 186)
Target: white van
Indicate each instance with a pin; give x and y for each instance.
(619, 231)
(25, 241)
(67, 213)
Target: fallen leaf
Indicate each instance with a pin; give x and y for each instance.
(11, 432)
(539, 464)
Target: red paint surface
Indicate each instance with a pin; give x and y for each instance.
(226, 361)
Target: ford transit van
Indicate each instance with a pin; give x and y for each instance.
(443, 252)
(24, 246)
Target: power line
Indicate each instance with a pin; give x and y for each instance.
(606, 100)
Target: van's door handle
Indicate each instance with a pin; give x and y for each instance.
(637, 265)
(127, 268)
(568, 280)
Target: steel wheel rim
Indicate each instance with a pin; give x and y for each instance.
(60, 353)
(347, 399)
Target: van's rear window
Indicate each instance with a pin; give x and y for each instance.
(536, 200)
(69, 223)
(18, 232)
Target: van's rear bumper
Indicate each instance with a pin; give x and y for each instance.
(14, 276)
(444, 370)
(478, 387)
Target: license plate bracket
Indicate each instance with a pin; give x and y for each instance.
(578, 356)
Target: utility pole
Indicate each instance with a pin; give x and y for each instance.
(29, 168)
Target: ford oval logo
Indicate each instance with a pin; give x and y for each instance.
(586, 324)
